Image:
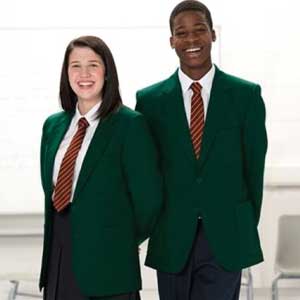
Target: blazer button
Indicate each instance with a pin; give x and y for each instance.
(199, 180)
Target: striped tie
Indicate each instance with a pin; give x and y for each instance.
(63, 188)
(197, 118)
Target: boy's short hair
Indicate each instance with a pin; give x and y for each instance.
(187, 5)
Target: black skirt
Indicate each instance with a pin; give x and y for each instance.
(61, 283)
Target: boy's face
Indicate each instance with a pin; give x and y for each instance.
(192, 40)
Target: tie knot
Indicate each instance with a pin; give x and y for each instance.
(196, 87)
(83, 123)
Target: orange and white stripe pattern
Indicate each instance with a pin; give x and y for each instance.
(197, 118)
(63, 188)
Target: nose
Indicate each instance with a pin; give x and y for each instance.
(192, 37)
(84, 72)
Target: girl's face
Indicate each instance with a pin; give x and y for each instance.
(86, 72)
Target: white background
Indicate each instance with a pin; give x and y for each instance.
(258, 40)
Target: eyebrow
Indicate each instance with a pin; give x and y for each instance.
(95, 60)
(92, 60)
(197, 24)
(201, 23)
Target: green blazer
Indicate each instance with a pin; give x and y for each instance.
(115, 205)
(224, 186)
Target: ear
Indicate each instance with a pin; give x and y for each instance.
(172, 42)
(214, 37)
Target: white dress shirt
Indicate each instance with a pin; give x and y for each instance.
(187, 93)
(93, 122)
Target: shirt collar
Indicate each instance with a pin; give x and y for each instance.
(91, 115)
(206, 81)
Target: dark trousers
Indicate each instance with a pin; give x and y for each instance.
(202, 278)
(130, 296)
(61, 283)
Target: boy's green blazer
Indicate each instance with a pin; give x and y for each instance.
(115, 205)
(224, 187)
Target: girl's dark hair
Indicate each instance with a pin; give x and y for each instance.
(111, 98)
(190, 5)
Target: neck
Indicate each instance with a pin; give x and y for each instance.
(197, 73)
(85, 106)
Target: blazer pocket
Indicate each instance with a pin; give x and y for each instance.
(228, 127)
(227, 145)
(248, 235)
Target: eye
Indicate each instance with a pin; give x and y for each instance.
(180, 33)
(75, 66)
(201, 29)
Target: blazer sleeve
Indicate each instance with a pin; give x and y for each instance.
(255, 147)
(143, 178)
(42, 154)
(140, 107)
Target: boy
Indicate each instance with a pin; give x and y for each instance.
(209, 128)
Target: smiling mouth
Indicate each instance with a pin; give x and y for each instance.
(194, 50)
(85, 83)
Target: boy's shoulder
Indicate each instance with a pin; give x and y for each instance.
(158, 87)
(234, 81)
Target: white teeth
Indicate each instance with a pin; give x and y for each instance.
(193, 49)
(85, 83)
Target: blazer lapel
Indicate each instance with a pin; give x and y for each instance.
(218, 105)
(99, 142)
(175, 115)
(53, 143)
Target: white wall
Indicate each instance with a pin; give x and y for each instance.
(259, 40)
